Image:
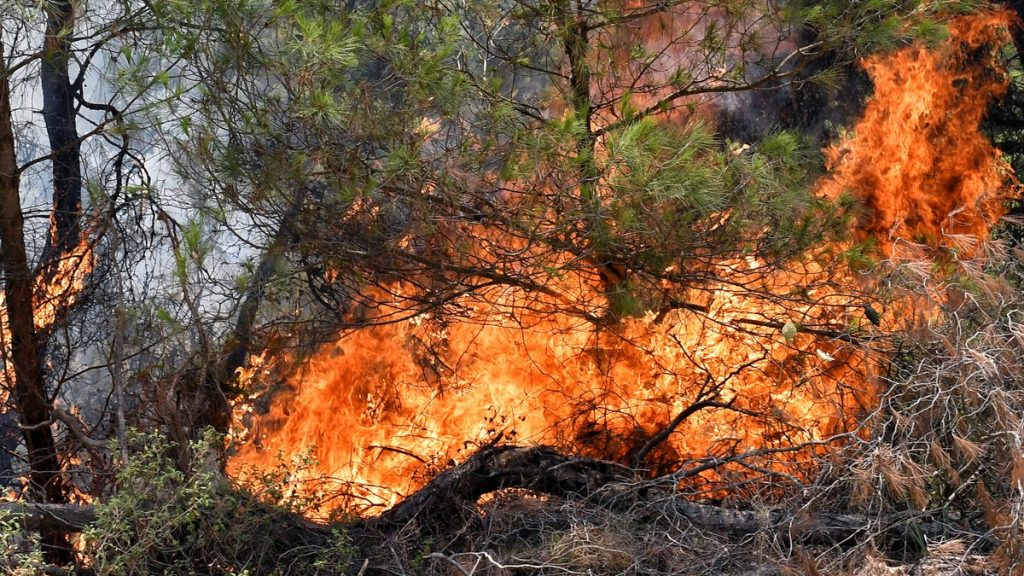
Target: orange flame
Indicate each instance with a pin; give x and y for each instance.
(917, 159)
(386, 406)
(59, 291)
(55, 293)
(380, 412)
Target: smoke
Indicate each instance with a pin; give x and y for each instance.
(815, 110)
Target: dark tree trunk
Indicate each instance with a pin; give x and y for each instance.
(59, 116)
(575, 37)
(45, 481)
(218, 384)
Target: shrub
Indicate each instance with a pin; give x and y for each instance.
(165, 518)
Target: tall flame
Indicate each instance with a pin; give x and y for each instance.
(386, 406)
(918, 159)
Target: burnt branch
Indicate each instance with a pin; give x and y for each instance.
(442, 508)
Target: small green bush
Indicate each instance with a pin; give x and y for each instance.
(20, 554)
(163, 519)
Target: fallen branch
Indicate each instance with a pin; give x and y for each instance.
(446, 503)
(50, 517)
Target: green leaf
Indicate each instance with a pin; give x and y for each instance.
(789, 331)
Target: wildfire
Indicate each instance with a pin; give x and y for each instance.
(917, 159)
(60, 290)
(385, 407)
(55, 292)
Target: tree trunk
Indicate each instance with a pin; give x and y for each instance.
(45, 481)
(575, 36)
(239, 342)
(59, 116)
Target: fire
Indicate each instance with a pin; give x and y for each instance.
(55, 293)
(917, 159)
(59, 291)
(380, 423)
(383, 408)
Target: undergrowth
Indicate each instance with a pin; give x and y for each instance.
(165, 520)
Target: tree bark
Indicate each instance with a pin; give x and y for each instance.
(59, 116)
(29, 390)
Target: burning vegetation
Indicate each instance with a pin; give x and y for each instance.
(768, 364)
(613, 282)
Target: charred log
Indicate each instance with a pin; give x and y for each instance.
(69, 518)
(450, 499)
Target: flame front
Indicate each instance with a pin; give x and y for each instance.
(385, 407)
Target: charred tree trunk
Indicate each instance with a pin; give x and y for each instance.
(59, 116)
(45, 481)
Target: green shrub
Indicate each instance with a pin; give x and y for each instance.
(168, 519)
(20, 554)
